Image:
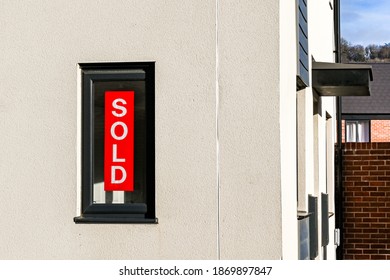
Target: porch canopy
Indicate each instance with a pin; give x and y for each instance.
(337, 79)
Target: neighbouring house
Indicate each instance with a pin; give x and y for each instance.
(367, 118)
(366, 170)
(170, 129)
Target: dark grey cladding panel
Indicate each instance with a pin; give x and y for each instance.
(379, 101)
(303, 47)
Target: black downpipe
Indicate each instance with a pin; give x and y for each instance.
(339, 182)
(339, 150)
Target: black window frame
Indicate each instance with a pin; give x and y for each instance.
(115, 213)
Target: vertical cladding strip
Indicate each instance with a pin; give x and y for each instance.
(216, 130)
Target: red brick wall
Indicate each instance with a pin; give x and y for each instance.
(366, 201)
(380, 130)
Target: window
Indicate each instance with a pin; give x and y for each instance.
(117, 176)
(357, 131)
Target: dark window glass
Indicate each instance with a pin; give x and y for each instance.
(139, 193)
(99, 205)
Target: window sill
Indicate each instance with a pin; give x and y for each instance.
(113, 220)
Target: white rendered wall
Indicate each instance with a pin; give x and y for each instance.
(288, 129)
(321, 43)
(251, 214)
(41, 44)
(305, 147)
(321, 30)
(249, 130)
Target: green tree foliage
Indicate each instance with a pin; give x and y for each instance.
(384, 52)
(344, 48)
(358, 53)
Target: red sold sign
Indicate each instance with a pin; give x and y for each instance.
(119, 141)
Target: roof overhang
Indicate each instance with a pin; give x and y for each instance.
(337, 79)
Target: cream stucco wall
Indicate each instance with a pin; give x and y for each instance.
(249, 132)
(288, 129)
(319, 177)
(41, 44)
(227, 118)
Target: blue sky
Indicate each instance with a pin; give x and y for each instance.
(365, 22)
